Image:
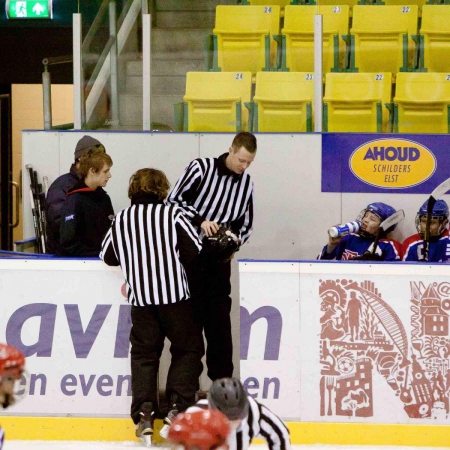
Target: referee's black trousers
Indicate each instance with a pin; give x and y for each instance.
(212, 306)
(150, 325)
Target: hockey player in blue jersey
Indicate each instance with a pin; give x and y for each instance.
(355, 245)
(439, 243)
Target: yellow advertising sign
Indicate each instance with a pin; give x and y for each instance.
(392, 163)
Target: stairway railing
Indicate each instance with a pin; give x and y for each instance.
(105, 74)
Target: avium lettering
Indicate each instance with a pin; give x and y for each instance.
(83, 337)
(392, 154)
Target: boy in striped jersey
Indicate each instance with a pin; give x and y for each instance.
(248, 418)
(154, 243)
(216, 192)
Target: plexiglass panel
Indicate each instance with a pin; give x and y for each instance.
(241, 37)
(112, 65)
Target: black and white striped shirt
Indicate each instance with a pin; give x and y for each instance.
(150, 242)
(260, 423)
(208, 190)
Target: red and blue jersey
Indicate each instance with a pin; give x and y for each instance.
(353, 245)
(438, 249)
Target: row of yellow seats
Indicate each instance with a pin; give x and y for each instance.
(380, 38)
(351, 3)
(284, 102)
(283, 3)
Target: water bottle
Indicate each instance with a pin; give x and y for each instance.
(339, 230)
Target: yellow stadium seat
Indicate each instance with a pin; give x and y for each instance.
(242, 37)
(280, 3)
(422, 102)
(381, 38)
(298, 37)
(356, 102)
(419, 3)
(283, 102)
(349, 3)
(215, 101)
(435, 38)
(269, 2)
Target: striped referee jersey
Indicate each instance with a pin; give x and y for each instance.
(151, 242)
(260, 423)
(208, 190)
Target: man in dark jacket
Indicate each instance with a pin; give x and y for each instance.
(56, 195)
(87, 212)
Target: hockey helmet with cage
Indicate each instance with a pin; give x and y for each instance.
(202, 430)
(440, 211)
(221, 245)
(382, 210)
(12, 361)
(228, 396)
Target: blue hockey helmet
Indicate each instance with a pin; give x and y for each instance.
(382, 210)
(440, 211)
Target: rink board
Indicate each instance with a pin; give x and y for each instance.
(298, 320)
(303, 181)
(355, 343)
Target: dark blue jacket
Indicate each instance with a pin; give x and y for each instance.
(85, 219)
(56, 196)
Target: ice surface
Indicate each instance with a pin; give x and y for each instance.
(102, 445)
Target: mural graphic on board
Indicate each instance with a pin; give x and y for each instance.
(361, 332)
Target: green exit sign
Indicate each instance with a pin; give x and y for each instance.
(29, 9)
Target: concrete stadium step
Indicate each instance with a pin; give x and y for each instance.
(187, 13)
(189, 19)
(161, 109)
(159, 85)
(191, 5)
(179, 43)
(178, 36)
(161, 67)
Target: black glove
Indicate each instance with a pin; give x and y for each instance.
(221, 245)
(369, 256)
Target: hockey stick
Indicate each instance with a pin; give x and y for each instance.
(35, 222)
(43, 202)
(385, 225)
(36, 209)
(42, 213)
(45, 183)
(438, 192)
(37, 188)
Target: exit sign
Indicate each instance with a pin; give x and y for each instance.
(29, 9)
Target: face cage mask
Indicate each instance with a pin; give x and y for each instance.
(443, 224)
(360, 217)
(20, 391)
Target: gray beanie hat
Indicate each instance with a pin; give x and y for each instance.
(83, 144)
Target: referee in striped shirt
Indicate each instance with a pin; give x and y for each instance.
(248, 418)
(154, 244)
(216, 192)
